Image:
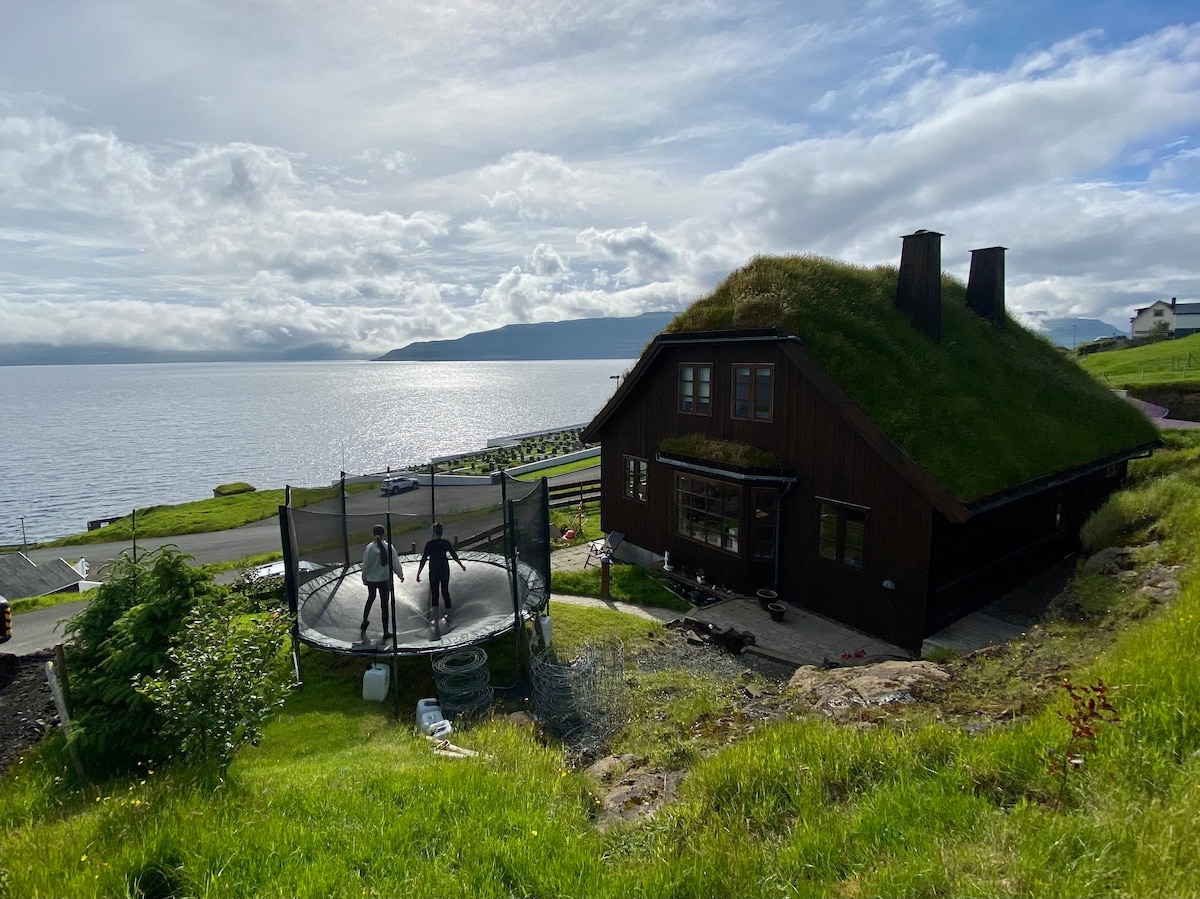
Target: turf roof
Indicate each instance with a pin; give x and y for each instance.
(982, 411)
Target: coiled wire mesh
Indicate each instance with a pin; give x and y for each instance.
(582, 702)
(463, 683)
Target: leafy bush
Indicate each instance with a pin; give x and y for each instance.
(122, 634)
(226, 674)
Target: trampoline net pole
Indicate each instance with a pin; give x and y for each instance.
(291, 579)
(345, 531)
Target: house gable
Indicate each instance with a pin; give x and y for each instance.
(982, 411)
(905, 462)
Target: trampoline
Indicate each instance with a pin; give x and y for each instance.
(330, 607)
(505, 548)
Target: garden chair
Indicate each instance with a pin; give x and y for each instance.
(603, 549)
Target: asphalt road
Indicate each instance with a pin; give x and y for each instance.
(41, 628)
(263, 536)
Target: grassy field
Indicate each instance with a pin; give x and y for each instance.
(1001, 786)
(1167, 362)
(204, 516)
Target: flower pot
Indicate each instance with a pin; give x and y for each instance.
(766, 597)
(776, 609)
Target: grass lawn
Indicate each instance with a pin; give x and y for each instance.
(983, 790)
(204, 516)
(1163, 363)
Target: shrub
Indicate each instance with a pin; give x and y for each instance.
(122, 634)
(226, 675)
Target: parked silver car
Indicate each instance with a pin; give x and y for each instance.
(392, 486)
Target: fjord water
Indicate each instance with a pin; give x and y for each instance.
(91, 441)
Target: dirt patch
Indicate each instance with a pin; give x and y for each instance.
(27, 710)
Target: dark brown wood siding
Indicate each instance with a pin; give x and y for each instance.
(925, 554)
(828, 459)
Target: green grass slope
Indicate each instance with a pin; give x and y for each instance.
(982, 411)
(1164, 364)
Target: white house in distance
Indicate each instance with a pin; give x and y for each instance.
(1181, 319)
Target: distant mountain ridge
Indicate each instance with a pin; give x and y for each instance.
(584, 338)
(109, 354)
(581, 338)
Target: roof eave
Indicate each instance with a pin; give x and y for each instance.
(1059, 478)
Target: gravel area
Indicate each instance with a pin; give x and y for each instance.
(27, 709)
(682, 650)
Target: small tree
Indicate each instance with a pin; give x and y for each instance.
(227, 673)
(122, 634)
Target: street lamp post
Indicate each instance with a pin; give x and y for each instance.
(23, 540)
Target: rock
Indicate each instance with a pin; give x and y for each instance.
(874, 684)
(1109, 561)
(610, 766)
(521, 719)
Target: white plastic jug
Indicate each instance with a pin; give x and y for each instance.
(375, 682)
(429, 714)
(544, 625)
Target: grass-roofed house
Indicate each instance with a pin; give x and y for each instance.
(884, 447)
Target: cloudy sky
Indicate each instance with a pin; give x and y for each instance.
(242, 174)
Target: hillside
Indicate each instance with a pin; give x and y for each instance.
(585, 338)
(1173, 362)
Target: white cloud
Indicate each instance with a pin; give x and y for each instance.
(216, 175)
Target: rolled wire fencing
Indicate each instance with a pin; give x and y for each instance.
(463, 683)
(582, 702)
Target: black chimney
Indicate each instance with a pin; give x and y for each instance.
(985, 285)
(919, 290)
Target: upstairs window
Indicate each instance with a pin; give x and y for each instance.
(708, 512)
(752, 391)
(842, 531)
(1158, 313)
(695, 389)
(636, 478)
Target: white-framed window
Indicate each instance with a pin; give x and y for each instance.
(841, 532)
(708, 512)
(753, 392)
(637, 478)
(695, 388)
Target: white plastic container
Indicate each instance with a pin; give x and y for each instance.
(375, 682)
(544, 625)
(429, 715)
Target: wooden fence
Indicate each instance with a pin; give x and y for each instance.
(561, 497)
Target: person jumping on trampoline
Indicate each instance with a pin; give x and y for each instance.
(438, 553)
(378, 577)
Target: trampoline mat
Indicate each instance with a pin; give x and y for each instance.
(331, 607)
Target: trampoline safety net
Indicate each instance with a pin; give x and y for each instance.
(505, 546)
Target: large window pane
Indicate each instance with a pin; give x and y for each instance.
(708, 512)
(765, 523)
(841, 533)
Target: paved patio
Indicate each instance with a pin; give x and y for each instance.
(803, 638)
